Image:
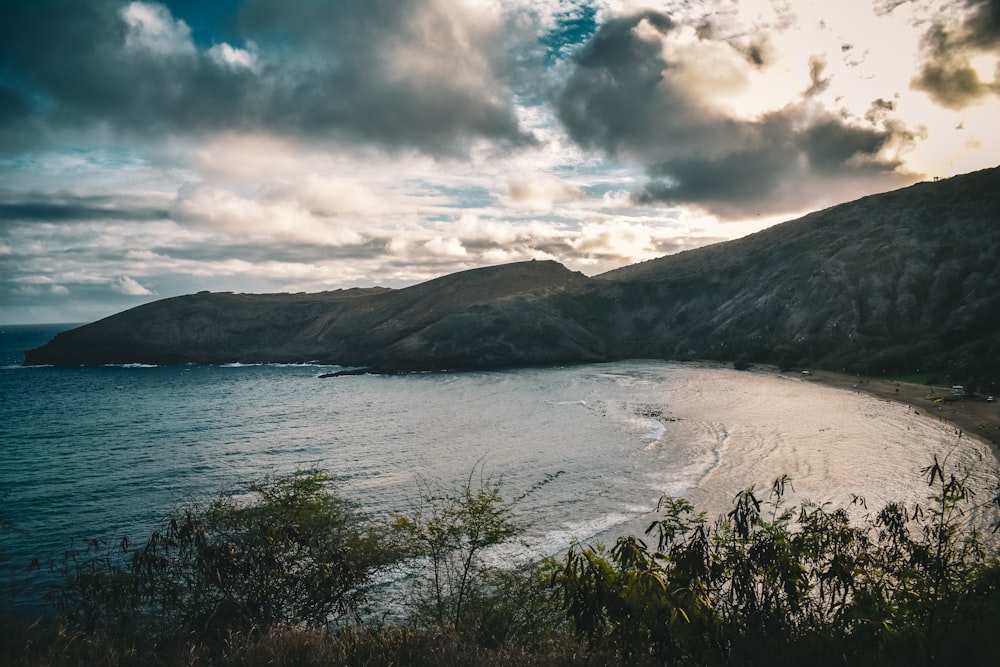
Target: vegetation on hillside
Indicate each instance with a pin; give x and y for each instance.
(286, 572)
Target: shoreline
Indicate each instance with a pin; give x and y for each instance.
(975, 418)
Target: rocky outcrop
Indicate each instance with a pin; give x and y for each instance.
(898, 282)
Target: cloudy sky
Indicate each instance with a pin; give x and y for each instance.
(149, 149)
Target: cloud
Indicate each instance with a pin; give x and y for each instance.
(151, 28)
(40, 291)
(266, 145)
(330, 196)
(950, 49)
(235, 58)
(272, 218)
(637, 91)
(361, 72)
(788, 160)
(68, 207)
(541, 191)
(130, 287)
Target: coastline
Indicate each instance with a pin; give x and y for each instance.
(823, 465)
(972, 417)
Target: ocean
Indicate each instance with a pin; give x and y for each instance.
(108, 452)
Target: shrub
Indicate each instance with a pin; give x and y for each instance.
(254, 577)
(458, 588)
(283, 552)
(798, 585)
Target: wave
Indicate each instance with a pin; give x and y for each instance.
(574, 532)
(283, 364)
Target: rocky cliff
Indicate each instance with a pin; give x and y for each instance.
(895, 282)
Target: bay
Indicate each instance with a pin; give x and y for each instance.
(107, 452)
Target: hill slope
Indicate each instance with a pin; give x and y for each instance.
(898, 282)
(446, 322)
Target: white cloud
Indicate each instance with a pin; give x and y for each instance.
(152, 28)
(473, 228)
(129, 286)
(446, 247)
(225, 55)
(541, 191)
(252, 219)
(330, 196)
(250, 159)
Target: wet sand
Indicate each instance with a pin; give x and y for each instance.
(972, 417)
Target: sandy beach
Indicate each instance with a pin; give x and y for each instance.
(866, 446)
(975, 416)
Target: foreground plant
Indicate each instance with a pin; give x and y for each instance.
(460, 582)
(284, 552)
(802, 585)
(255, 576)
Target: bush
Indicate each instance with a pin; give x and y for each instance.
(283, 552)
(795, 585)
(254, 577)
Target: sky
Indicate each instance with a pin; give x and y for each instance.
(151, 149)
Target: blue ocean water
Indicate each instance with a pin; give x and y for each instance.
(108, 452)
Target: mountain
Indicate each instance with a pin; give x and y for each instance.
(899, 282)
(467, 319)
(892, 283)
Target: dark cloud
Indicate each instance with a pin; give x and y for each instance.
(616, 99)
(755, 55)
(794, 160)
(948, 48)
(951, 84)
(13, 105)
(620, 99)
(396, 74)
(74, 208)
(413, 73)
(881, 106)
(883, 7)
(829, 145)
(982, 27)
